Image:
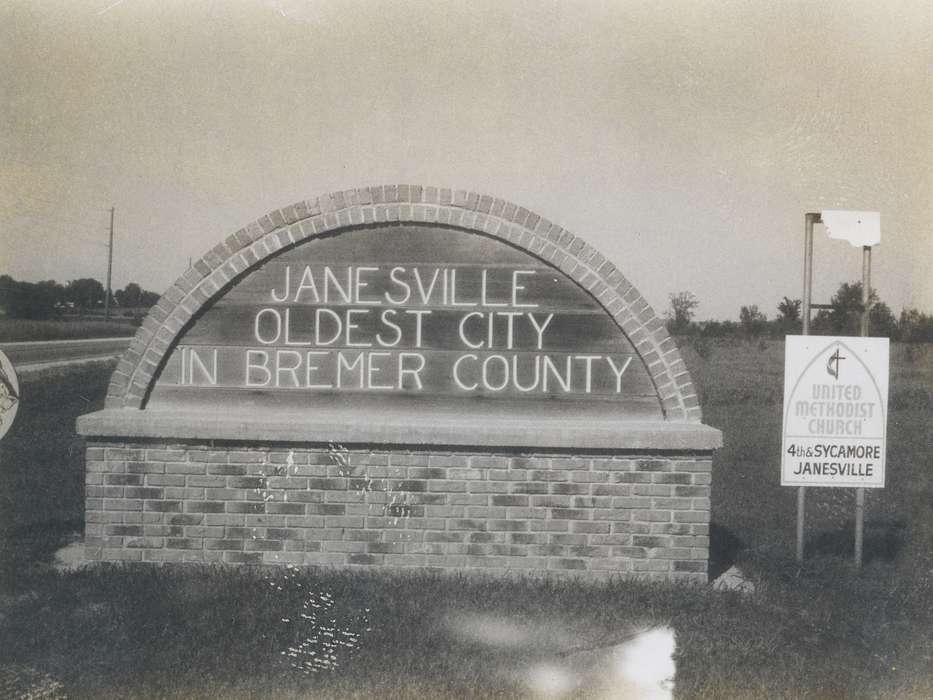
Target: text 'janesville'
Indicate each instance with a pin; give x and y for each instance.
(351, 343)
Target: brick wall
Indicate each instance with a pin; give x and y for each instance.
(635, 514)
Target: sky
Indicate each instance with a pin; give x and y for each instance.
(684, 140)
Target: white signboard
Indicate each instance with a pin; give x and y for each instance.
(859, 228)
(835, 411)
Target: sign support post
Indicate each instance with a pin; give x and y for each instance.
(809, 220)
(860, 492)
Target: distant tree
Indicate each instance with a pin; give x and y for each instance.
(844, 318)
(85, 293)
(27, 299)
(135, 299)
(846, 312)
(915, 327)
(881, 321)
(752, 321)
(7, 284)
(129, 296)
(680, 314)
(54, 290)
(134, 296)
(789, 318)
(718, 329)
(789, 310)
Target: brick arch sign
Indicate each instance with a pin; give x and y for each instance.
(533, 407)
(428, 246)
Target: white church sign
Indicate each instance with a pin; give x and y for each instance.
(835, 411)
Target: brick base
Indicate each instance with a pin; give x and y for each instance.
(644, 515)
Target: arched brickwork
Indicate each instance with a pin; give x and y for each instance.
(468, 211)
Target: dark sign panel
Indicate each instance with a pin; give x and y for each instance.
(418, 313)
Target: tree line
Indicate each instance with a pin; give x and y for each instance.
(50, 299)
(842, 318)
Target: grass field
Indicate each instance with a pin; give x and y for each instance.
(18, 330)
(741, 390)
(820, 631)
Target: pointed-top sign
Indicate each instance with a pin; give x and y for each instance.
(835, 408)
(859, 228)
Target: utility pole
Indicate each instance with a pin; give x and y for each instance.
(109, 268)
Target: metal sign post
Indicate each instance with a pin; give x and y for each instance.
(859, 229)
(809, 220)
(866, 308)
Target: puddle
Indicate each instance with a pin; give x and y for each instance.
(488, 630)
(551, 661)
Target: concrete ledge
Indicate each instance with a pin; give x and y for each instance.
(402, 428)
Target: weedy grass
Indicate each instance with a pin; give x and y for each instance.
(137, 632)
(13, 330)
(818, 631)
(740, 386)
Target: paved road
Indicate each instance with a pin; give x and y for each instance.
(34, 354)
